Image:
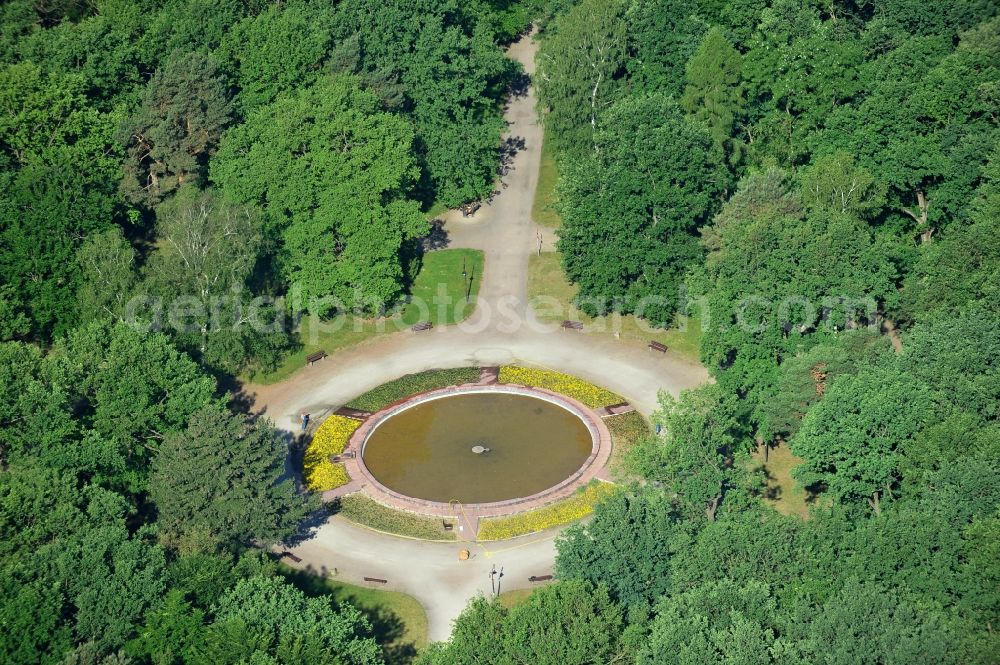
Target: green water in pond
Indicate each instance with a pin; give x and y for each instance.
(426, 451)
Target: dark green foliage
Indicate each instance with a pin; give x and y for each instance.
(130, 390)
(711, 623)
(797, 71)
(693, 457)
(630, 216)
(173, 632)
(781, 279)
(803, 380)
(714, 92)
(181, 117)
(924, 125)
(267, 618)
(332, 172)
(852, 439)
(192, 25)
(569, 623)
(126, 486)
(637, 574)
(100, 403)
(883, 626)
(104, 49)
(87, 573)
(435, 62)
(281, 49)
(963, 265)
(905, 413)
(579, 67)
(869, 191)
(56, 187)
(911, 17)
(108, 421)
(662, 34)
(224, 476)
(865, 137)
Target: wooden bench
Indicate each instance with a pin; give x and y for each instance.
(539, 578)
(447, 526)
(376, 580)
(572, 325)
(314, 357)
(291, 556)
(656, 346)
(423, 325)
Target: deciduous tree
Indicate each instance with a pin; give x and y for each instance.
(57, 188)
(579, 67)
(696, 457)
(108, 275)
(636, 575)
(852, 441)
(264, 619)
(332, 172)
(662, 35)
(630, 215)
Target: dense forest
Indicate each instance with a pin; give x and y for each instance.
(817, 181)
(215, 150)
(187, 147)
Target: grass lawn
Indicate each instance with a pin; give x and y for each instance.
(542, 209)
(442, 288)
(626, 430)
(787, 497)
(552, 296)
(410, 384)
(516, 597)
(437, 208)
(398, 621)
(360, 509)
(440, 276)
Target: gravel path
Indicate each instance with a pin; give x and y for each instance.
(502, 330)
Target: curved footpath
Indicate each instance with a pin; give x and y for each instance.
(502, 330)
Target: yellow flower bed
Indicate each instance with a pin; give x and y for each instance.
(562, 512)
(330, 439)
(566, 384)
(328, 476)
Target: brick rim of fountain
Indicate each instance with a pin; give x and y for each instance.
(363, 480)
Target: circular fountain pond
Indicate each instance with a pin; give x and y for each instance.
(477, 446)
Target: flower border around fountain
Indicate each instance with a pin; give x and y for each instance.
(598, 458)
